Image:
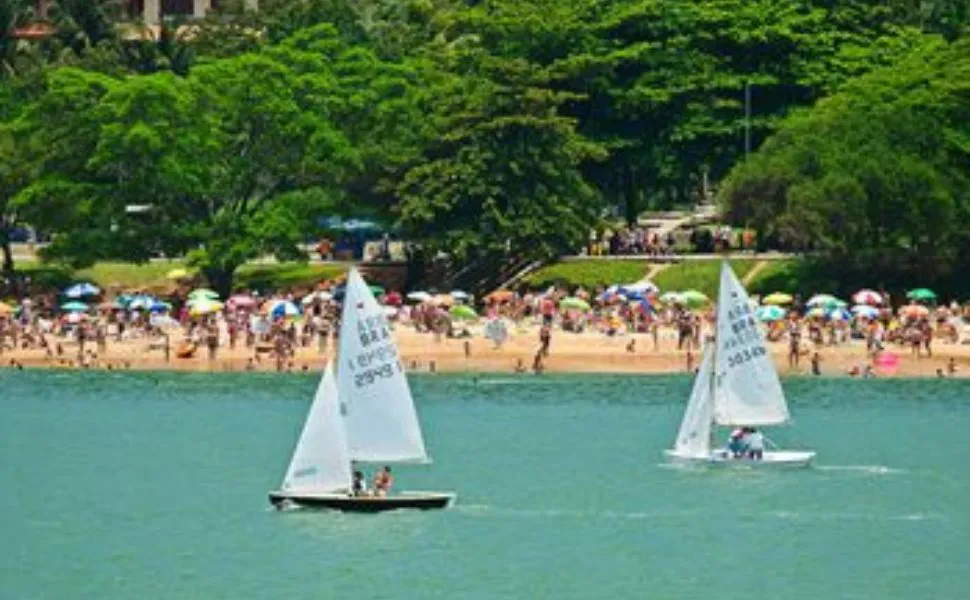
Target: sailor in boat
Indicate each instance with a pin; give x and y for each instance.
(756, 443)
(736, 443)
(359, 484)
(383, 480)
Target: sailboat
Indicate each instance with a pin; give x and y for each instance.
(737, 385)
(364, 413)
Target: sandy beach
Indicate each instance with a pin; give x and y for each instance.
(570, 352)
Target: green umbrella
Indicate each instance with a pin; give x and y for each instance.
(376, 290)
(672, 298)
(74, 307)
(921, 294)
(694, 298)
(574, 303)
(203, 293)
(463, 312)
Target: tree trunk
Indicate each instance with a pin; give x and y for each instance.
(220, 278)
(7, 268)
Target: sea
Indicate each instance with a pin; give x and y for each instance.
(153, 485)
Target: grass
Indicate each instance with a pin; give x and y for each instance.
(125, 276)
(700, 275)
(588, 273)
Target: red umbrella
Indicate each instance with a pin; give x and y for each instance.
(393, 299)
(241, 301)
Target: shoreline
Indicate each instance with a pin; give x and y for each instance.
(573, 353)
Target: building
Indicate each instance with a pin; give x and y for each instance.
(151, 12)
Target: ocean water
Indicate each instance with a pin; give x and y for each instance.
(124, 485)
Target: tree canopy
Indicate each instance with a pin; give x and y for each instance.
(494, 128)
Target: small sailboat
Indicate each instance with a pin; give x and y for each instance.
(737, 385)
(364, 413)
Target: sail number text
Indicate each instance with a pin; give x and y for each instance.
(743, 356)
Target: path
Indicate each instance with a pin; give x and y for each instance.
(755, 270)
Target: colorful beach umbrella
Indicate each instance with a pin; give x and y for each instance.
(283, 308)
(204, 306)
(867, 297)
(815, 312)
(74, 307)
(463, 312)
(914, 311)
(574, 303)
(241, 301)
(823, 300)
(501, 296)
(203, 293)
(770, 313)
(777, 298)
(141, 303)
(921, 294)
(694, 298)
(419, 296)
(865, 311)
(641, 287)
(80, 290)
(839, 314)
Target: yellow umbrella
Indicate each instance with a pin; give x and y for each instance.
(205, 307)
(177, 274)
(777, 298)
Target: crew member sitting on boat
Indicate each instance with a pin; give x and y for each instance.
(737, 444)
(756, 443)
(359, 485)
(383, 480)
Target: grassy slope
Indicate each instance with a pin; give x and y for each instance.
(152, 275)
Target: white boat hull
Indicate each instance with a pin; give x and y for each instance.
(367, 504)
(771, 458)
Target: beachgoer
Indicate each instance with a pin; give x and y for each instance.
(756, 444)
(816, 359)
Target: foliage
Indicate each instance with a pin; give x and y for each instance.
(589, 273)
(701, 275)
(874, 179)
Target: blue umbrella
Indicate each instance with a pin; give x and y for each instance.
(80, 290)
(770, 313)
(159, 306)
(141, 303)
(866, 311)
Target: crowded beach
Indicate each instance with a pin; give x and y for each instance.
(624, 328)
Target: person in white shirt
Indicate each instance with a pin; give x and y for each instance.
(756, 444)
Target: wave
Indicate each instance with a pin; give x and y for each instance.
(850, 516)
(559, 513)
(866, 469)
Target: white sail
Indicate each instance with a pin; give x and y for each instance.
(382, 425)
(693, 439)
(747, 390)
(320, 461)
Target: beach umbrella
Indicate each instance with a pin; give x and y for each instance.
(74, 307)
(839, 314)
(777, 298)
(203, 293)
(159, 306)
(823, 300)
(672, 298)
(460, 295)
(921, 295)
(770, 313)
(501, 296)
(393, 299)
(867, 297)
(163, 322)
(641, 287)
(5, 309)
(241, 301)
(419, 296)
(80, 290)
(463, 312)
(376, 290)
(141, 303)
(284, 308)
(694, 298)
(865, 311)
(914, 311)
(574, 303)
(816, 311)
(76, 317)
(177, 274)
(204, 306)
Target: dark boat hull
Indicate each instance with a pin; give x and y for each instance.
(364, 504)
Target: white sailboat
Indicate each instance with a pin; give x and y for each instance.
(364, 413)
(737, 385)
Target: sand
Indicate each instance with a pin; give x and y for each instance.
(574, 353)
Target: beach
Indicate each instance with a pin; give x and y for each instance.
(589, 352)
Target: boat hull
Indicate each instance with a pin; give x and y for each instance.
(364, 504)
(773, 458)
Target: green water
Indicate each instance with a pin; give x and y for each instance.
(153, 486)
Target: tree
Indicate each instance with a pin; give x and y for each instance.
(215, 159)
(873, 178)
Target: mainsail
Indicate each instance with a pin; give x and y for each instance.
(320, 462)
(747, 390)
(382, 425)
(693, 439)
